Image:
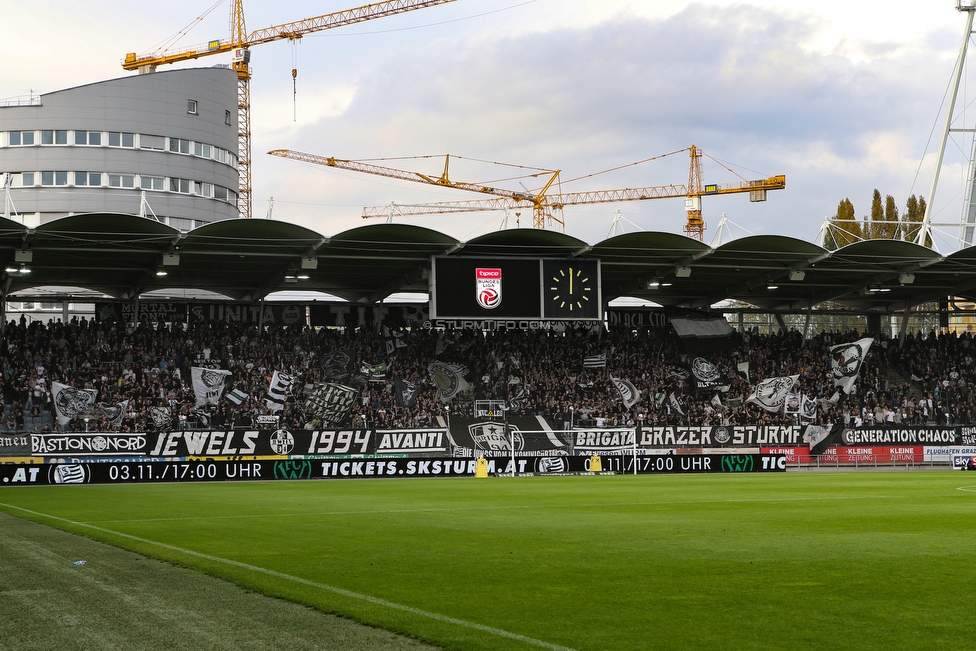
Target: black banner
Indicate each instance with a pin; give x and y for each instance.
(183, 312)
(637, 318)
(531, 436)
(667, 437)
(369, 316)
(905, 435)
(190, 471)
(94, 444)
(15, 445)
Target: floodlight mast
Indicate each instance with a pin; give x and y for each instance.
(924, 232)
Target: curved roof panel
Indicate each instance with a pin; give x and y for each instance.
(127, 256)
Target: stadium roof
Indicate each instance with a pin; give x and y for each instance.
(121, 255)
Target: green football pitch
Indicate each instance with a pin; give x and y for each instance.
(802, 560)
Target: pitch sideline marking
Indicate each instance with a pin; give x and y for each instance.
(966, 489)
(497, 508)
(322, 586)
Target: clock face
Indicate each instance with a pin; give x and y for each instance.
(571, 289)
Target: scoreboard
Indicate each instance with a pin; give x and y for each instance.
(515, 288)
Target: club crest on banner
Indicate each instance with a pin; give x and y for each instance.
(492, 436)
(704, 370)
(488, 287)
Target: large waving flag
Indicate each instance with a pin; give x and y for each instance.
(847, 361)
(770, 394)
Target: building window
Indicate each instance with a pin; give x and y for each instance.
(60, 178)
(116, 139)
(191, 106)
(227, 118)
(147, 141)
(27, 179)
(88, 137)
(24, 138)
(47, 137)
(179, 185)
(47, 178)
(121, 180)
(220, 193)
(179, 146)
(88, 178)
(151, 183)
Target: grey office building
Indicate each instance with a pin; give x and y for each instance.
(162, 145)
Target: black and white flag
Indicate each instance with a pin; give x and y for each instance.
(449, 379)
(517, 402)
(202, 417)
(394, 340)
(791, 405)
(629, 394)
(70, 402)
(338, 365)
(808, 409)
(208, 384)
(405, 392)
(707, 377)
(770, 394)
(330, 402)
(279, 388)
(743, 369)
(161, 417)
(595, 361)
(846, 360)
(113, 413)
(677, 403)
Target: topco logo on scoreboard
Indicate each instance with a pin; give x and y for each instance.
(488, 287)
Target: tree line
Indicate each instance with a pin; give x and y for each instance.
(884, 222)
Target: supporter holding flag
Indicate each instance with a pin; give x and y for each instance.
(279, 388)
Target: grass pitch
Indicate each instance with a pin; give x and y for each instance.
(864, 560)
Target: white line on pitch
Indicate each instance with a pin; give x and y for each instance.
(508, 507)
(322, 586)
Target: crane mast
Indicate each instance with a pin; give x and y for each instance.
(239, 44)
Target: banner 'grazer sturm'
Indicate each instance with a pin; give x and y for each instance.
(133, 472)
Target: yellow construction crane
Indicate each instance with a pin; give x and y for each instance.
(550, 206)
(239, 45)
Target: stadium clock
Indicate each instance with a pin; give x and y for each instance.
(571, 289)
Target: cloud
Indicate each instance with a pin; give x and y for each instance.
(741, 82)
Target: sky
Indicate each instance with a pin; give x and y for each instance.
(842, 97)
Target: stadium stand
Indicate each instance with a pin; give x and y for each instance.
(925, 380)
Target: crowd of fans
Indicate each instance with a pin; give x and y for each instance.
(145, 371)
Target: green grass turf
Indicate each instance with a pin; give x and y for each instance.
(121, 600)
(842, 560)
